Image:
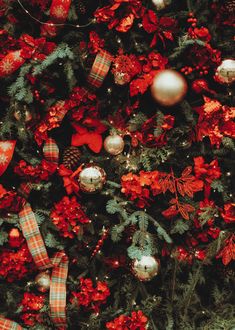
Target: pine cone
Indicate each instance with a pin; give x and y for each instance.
(71, 157)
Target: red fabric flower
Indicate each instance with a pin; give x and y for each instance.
(137, 321)
(215, 121)
(68, 216)
(35, 173)
(32, 302)
(10, 201)
(90, 296)
(228, 213)
(95, 43)
(163, 27)
(150, 65)
(125, 67)
(14, 265)
(206, 172)
(120, 14)
(31, 319)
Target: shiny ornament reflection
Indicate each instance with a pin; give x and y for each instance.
(91, 178)
(114, 144)
(146, 268)
(161, 4)
(42, 280)
(225, 73)
(169, 87)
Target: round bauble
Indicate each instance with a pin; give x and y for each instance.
(42, 281)
(91, 178)
(161, 4)
(114, 144)
(225, 73)
(169, 87)
(145, 268)
(26, 115)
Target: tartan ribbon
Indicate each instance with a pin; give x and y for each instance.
(58, 289)
(51, 151)
(100, 69)
(33, 237)
(6, 324)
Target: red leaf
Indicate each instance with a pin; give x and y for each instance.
(186, 171)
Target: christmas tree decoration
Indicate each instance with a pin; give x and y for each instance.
(137, 93)
(161, 4)
(225, 73)
(71, 157)
(146, 268)
(24, 115)
(114, 144)
(42, 281)
(91, 178)
(169, 87)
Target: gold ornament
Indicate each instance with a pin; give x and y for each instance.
(114, 144)
(25, 115)
(169, 87)
(161, 4)
(225, 73)
(42, 280)
(91, 178)
(145, 268)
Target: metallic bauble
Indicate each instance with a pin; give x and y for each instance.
(26, 115)
(91, 178)
(42, 281)
(145, 268)
(169, 87)
(114, 144)
(161, 4)
(225, 73)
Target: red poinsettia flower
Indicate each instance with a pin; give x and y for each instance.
(207, 172)
(89, 133)
(162, 28)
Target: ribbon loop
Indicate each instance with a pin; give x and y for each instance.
(6, 324)
(51, 151)
(33, 238)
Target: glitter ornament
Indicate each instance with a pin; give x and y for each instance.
(42, 281)
(169, 87)
(225, 73)
(161, 4)
(145, 268)
(114, 144)
(91, 178)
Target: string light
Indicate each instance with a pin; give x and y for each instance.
(54, 24)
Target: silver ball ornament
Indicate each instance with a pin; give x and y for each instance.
(225, 73)
(42, 280)
(161, 4)
(114, 144)
(145, 268)
(91, 178)
(169, 87)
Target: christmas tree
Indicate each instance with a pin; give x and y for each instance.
(116, 164)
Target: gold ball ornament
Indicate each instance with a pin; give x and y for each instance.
(161, 4)
(114, 144)
(26, 115)
(225, 73)
(169, 87)
(145, 268)
(91, 178)
(42, 281)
